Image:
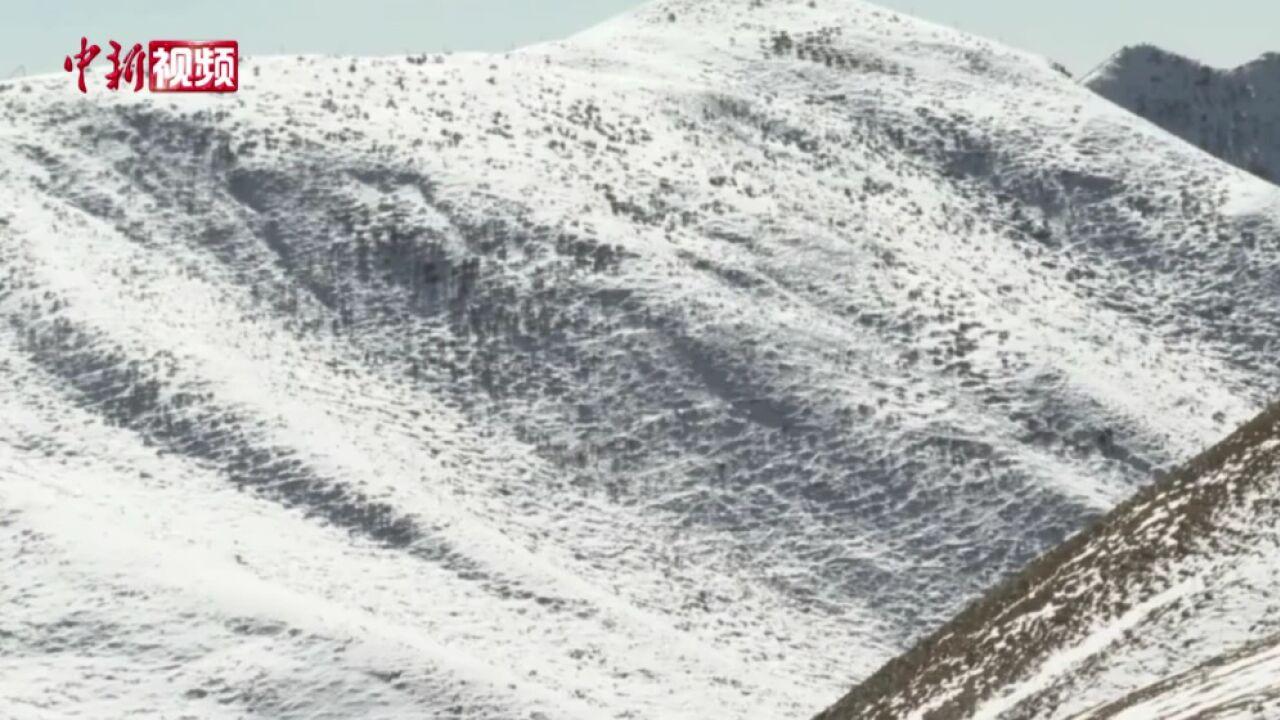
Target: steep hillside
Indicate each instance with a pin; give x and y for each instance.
(1244, 683)
(692, 367)
(1233, 114)
(1168, 608)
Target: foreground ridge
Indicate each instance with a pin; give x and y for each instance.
(1155, 571)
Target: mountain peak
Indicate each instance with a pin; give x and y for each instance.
(1233, 113)
(1140, 57)
(1265, 68)
(712, 22)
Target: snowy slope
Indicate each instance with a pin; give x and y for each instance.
(694, 366)
(1231, 113)
(1169, 608)
(1242, 684)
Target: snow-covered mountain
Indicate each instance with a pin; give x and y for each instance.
(1233, 114)
(692, 367)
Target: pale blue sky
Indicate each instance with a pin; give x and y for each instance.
(37, 34)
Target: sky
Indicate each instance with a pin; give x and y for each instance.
(35, 35)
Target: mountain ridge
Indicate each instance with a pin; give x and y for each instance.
(1231, 113)
(1030, 615)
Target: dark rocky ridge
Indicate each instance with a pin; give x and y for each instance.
(1233, 114)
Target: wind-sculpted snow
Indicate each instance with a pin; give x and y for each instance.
(694, 366)
(1231, 113)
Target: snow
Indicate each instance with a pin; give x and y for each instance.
(1220, 690)
(649, 374)
(1078, 653)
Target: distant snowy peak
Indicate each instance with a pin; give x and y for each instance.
(1231, 113)
(713, 31)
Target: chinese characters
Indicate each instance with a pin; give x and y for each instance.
(83, 58)
(194, 67)
(167, 65)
